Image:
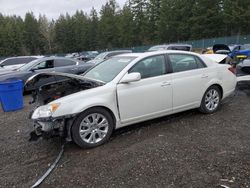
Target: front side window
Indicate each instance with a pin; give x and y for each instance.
(45, 65)
(150, 67)
(185, 62)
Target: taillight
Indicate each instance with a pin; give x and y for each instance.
(232, 69)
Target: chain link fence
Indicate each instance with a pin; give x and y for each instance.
(203, 43)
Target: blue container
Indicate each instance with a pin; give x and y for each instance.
(11, 95)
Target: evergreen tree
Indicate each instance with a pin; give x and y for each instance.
(93, 22)
(139, 8)
(126, 27)
(108, 29)
(32, 38)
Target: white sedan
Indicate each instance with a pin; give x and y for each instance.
(128, 89)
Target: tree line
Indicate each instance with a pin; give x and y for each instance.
(138, 22)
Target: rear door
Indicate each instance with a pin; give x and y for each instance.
(189, 78)
(151, 96)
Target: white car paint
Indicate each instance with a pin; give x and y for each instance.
(152, 97)
(215, 57)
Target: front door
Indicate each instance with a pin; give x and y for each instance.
(148, 98)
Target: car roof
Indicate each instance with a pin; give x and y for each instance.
(146, 54)
(56, 57)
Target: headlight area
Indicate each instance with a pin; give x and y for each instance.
(47, 127)
(45, 111)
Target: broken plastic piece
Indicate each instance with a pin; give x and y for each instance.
(41, 179)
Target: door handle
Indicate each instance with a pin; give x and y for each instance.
(204, 76)
(163, 84)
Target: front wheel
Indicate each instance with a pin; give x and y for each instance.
(92, 128)
(211, 100)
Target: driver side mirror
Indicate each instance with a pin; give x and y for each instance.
(131, 77)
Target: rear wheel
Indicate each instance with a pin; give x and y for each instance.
(92, 128)
(211, 100)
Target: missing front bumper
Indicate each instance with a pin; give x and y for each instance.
(50, 128)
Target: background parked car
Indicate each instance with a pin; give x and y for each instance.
(87, 55)
(232, 50)
(239, 55)
(48, 64)
(72, 55)
(12, 63)
(182, 47)
(105, 55)
(243, 68)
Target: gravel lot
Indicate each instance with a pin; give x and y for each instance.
(183, 150)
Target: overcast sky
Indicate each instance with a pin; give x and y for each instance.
(51, 8)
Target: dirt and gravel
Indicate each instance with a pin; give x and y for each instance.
(183, 150)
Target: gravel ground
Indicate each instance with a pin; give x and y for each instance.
(183, 150)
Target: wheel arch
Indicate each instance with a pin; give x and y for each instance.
(105, 108)
(220, 88)
(108, 110)
(71, 133)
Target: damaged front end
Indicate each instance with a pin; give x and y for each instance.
(47, 87)
(50, 127)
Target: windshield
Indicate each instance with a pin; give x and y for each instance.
(109, 69)
(29, 65)
(101, 56)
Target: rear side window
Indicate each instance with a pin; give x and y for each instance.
(64, 62)
(150, 67)
(185, 62)
(16, 61)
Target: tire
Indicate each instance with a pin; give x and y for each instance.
(92, 128)
(211, 100)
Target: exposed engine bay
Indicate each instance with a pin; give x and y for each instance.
(47, 87)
